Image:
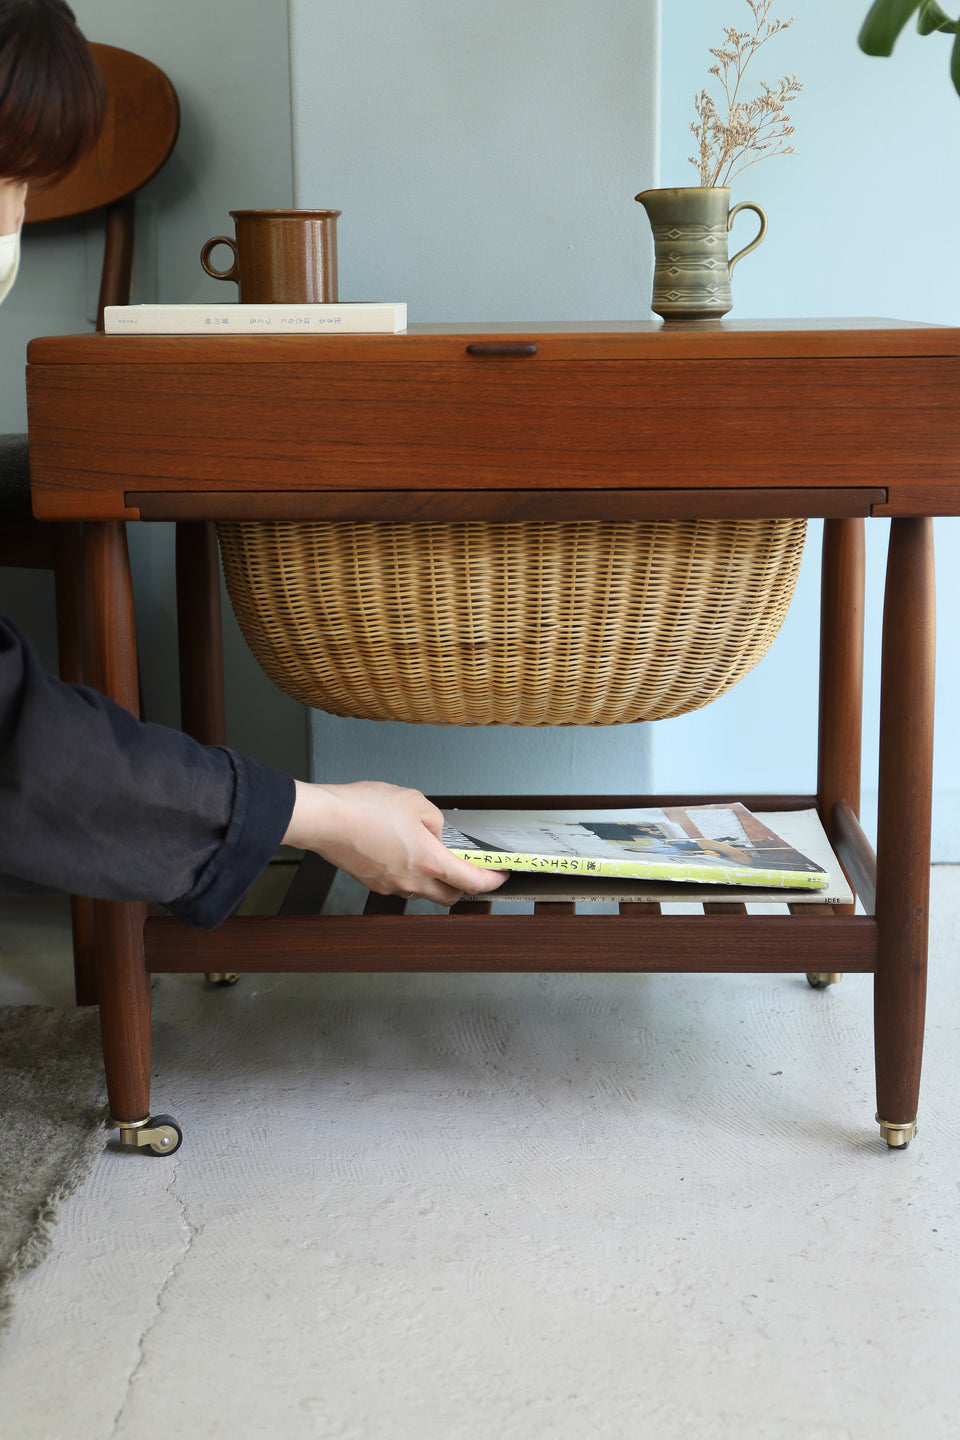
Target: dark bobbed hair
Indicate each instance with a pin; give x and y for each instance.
(52, 96)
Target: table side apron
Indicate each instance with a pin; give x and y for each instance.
(101, 432)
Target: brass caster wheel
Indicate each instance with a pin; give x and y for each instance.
(820, 979)
(221, 977)
(158, 1134)
(898, 1137)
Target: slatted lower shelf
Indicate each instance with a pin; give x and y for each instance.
(544, 941)
(386, 936)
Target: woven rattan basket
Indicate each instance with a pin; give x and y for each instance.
(529, 623)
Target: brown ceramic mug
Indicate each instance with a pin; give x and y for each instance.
(280, 256)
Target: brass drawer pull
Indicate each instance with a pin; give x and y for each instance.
(502, 347)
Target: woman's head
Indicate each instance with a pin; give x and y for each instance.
(52, 97)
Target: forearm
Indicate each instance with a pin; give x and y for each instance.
(94, 802)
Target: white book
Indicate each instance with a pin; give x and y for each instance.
(358, 318)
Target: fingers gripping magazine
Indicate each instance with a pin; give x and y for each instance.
(711, 844)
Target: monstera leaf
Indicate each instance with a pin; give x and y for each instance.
(888, 17)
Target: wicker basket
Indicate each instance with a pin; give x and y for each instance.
(529, 623)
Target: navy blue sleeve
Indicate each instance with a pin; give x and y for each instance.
(97, 803)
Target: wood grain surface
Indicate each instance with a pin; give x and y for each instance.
(903, 816)
(542, 942)
(492, 425)
(436, 505)
(639, 409)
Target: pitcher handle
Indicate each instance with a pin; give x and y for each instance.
(747, 205)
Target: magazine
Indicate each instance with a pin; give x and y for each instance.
(707, 844)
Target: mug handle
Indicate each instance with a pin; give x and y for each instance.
(744, 205)
(234, 272)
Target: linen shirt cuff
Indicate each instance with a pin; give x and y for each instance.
(262, 807)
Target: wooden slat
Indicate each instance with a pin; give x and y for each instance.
(635, 908)
(554, 907)
(308, 890)
(815, 912)
(509, 943)
(626, 504)
(472, 907)
(856, 855)
(724, 907)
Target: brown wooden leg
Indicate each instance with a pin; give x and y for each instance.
(83, 926)
(124, 1009)
(68, 580)
(111, 667)
(840, 732)
(903, 829)
(841, 677)
(200, 632)
(202, 712)
(841, 667)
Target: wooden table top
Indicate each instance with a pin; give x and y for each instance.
(646, 339)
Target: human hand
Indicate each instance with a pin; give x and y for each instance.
(13, 198)
(386, 837)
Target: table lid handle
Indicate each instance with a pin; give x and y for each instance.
(502, 347)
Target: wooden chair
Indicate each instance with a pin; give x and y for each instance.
(139, 133)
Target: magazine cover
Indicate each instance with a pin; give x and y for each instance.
(711, 844)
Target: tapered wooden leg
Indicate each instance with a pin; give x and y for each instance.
(202, 712)
(83, 929)
(111, 667)
(124, 1009)
(68, 579)
(841, 676)
(200, 631)
(199, 627)
(903, 828)
(841, 667)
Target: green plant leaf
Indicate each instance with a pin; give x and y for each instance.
(886, 19)
(932, 17)
(955, 65)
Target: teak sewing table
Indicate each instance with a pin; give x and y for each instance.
(839, 419)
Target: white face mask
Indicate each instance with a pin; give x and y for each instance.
(9, 261)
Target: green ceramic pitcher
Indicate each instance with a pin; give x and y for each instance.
(691, 278)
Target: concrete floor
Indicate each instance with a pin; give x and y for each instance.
(463, 1207)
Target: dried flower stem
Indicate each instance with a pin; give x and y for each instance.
(753, 129)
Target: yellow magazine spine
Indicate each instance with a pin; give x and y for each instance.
(645, 870)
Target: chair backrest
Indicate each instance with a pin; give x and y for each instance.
(139, 132)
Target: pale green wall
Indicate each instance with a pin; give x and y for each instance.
(863, 221)
(485, 155)
(230, 67)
